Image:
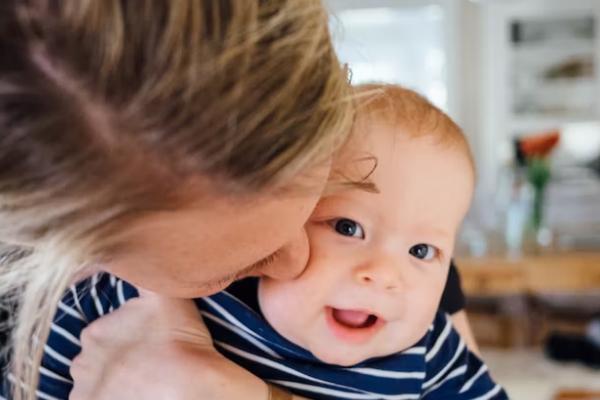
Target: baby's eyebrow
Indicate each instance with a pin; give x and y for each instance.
(350, 176)
(365, 185)
(342, 184)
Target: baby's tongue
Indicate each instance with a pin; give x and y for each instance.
(353, 319)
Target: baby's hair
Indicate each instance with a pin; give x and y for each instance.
(405, 108)
(399, 107)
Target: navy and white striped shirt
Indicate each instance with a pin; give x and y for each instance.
(439, 366)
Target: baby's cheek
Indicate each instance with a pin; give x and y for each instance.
(271, 298)
(284, 307)
(427, 306)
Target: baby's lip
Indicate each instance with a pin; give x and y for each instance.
(353, 325)
(357, 319)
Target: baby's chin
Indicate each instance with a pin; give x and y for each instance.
(342, 360)
(349, 355)
(342, 357)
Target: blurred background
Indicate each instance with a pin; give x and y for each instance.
(522, 77)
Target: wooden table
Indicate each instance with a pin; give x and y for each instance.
(516, 285)
(573, 272)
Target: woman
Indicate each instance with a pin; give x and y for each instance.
(178, 145)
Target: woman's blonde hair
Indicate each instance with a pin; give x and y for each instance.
(108, 106)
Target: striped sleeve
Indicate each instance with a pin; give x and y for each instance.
(452, 371)
(82, 304)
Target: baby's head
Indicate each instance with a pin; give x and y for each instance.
(381, 246)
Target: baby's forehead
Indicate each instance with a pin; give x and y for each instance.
(382, 150)
(374, 134)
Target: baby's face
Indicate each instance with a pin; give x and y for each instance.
(378, 261)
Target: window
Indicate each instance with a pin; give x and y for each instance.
(397, 44)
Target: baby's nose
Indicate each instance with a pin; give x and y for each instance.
(381, 274)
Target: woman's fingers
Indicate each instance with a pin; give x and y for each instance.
(156, 347)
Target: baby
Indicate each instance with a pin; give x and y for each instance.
(361, 322)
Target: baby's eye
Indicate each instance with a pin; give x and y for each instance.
(423, 251)
(347, 227)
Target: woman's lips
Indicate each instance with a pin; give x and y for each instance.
(353, 326)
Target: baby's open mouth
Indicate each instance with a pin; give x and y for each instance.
(354, 326)
(353, 318)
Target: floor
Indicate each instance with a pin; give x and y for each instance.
(527, 375)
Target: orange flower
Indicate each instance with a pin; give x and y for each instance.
(540, 145)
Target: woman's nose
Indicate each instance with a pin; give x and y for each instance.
(383, 274)
(290, 260)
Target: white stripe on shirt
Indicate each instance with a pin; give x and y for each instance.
(52, 375)
(380, 373)
(68, 310)
(120, 293)
(457, 372)
(459, 350)
(66, 334)
(229, 317)
(345, 395)
(471, 381)
(275, 365)
(75, 295)
(441, 339)
(489, 394)
(45, 396)
(415, 350)
(225, 292)
(57, 356)
(241, 333)
(94, 294)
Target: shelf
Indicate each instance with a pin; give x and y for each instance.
(532, 123)
(560, 46)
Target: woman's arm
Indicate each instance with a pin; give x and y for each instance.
(276, 393)
(462, 326)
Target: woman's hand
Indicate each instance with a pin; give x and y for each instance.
(157, 348)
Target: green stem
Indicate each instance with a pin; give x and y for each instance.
(538, 206)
